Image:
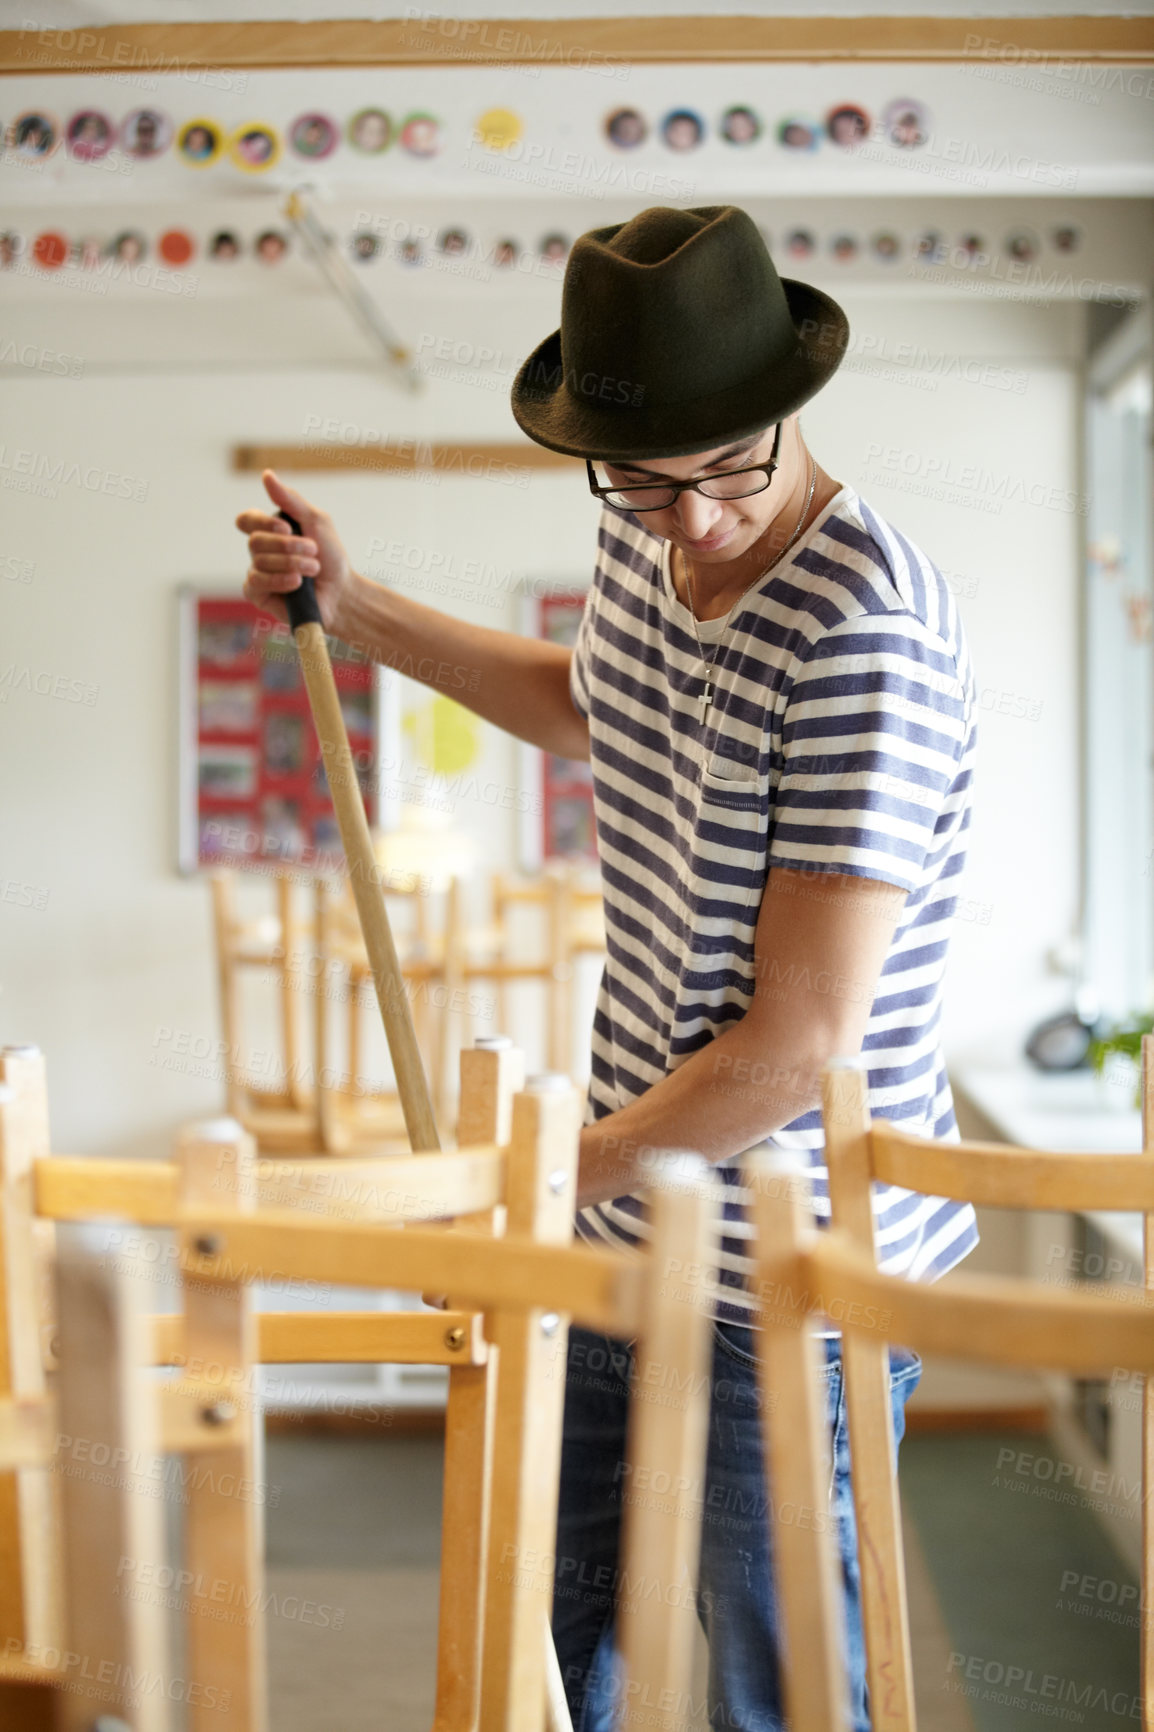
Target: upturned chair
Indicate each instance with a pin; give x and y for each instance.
(1000, 1321)
(490, 1224)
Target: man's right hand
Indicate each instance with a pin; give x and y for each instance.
(279, 559)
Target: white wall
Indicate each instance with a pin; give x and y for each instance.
(120, 951)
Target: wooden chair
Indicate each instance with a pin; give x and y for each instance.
(996, 1320)
(101, 1410)
(515, 1280)
(284, 1117)
(570, 924)
(320, 963)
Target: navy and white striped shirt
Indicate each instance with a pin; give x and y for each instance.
(841, 739)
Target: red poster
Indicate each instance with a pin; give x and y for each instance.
(257, 779)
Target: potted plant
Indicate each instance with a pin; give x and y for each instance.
(1117, 1058)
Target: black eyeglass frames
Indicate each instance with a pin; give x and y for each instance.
(657, 496)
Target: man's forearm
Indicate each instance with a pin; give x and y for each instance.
(727, 1096)
(520, 684)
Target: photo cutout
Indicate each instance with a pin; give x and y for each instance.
(886, 246)
(176, 247)
(129, 247)
(364, 246)
(11, 249)
(199, 142)
(254, 148)
(86, 253)
(279, 664)
(554, 248)
(50, 250)
(740, 125)
(314, 136)
(90, 135)
(271, 246)
(498, 128)
(224, 247)
(411, 252)
(930, 247)
(1065, 238)
(33, 135)
(800, 244)
(505, 253)
(146, 132)
(421, 135)
(844, 248)
(625, 128)
(454, 243)
(972, 248)
(796, 133)
(223, 642)
(682, 129)
(1023, 246)
(284, 743)
(370, 131)
(847, 126)
(906, 123)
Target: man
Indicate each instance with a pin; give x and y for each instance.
(774, 692)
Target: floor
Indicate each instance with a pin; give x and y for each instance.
(997, 1579)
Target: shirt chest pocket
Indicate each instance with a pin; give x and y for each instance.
(730, 852)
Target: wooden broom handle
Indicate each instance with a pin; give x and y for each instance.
(396, 1012)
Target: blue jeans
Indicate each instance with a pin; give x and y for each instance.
(735, 1590)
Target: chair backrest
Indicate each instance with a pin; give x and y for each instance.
(860, 1151)
(269, 943)
(240, 1220)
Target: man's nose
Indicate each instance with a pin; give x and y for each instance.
(696, 515)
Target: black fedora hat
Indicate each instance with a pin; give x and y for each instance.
(677, 334)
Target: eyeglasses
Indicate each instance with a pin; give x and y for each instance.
(656, 496)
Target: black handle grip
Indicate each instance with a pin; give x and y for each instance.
(301, 603)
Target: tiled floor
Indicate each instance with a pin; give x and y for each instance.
(353, 1545)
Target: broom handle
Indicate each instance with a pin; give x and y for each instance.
(396, 1013)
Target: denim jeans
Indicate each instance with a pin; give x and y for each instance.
(735, 1589)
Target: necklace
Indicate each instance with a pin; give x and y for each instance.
(707, 691)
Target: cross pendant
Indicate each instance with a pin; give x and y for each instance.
(706, 697)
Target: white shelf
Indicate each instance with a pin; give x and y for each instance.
(1067, 1111)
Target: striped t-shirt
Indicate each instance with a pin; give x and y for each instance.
(841, 739)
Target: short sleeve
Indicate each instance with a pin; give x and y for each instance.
(873, 738)
(579, 662)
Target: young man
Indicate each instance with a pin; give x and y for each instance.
(773, 689)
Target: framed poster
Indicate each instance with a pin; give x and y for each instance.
(562, 823)
(253, 789)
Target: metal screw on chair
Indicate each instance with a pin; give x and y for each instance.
(207, 1244)
(550, 1323)
(219, 1413)
(557, 1180)
(455, 1338)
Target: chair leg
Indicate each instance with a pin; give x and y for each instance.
(224, 1538)
(112, 1534)
(31, 1604)
(489, 1080)
(797, 1452)
(531, 1347)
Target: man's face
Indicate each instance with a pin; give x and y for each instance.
(711, 531)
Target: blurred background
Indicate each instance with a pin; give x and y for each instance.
(336, 269)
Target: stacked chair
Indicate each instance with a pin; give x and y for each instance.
(488, 1223)
(320, 963)
(993, 1320)
(563, 910)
